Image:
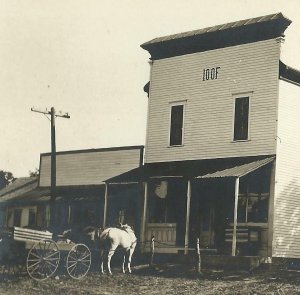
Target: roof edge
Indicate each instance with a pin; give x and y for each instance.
(121, 148)
(225, 26)
(219, 36)
(8, 190)
(289, 74)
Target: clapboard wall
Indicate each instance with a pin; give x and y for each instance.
(90, 167)
(208, 124)
(286, 241)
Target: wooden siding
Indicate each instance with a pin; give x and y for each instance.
(89, 167)
(208, 131)
(286, 241)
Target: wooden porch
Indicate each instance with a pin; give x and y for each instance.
(236, 237)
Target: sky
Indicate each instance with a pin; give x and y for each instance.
(84, 57)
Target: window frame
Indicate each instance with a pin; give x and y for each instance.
(16, 211)
(234, 98)
(24, 215)
(171, 105)
(30, 211)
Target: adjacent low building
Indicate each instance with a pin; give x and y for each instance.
(82, 198)
(15, 209)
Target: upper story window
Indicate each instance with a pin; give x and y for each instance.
(176, 124)
(241, 118)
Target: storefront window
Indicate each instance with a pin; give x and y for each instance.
(254, 197)
(167, 202)
(253, 208)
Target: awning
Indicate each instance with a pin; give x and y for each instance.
(35, 195)
(238, 171)
(43, 194)
(194, 169)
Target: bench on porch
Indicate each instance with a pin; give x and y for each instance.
(247, 239)
(243, 235)
(165, 237)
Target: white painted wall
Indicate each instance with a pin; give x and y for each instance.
(209, 111)
(286, 242)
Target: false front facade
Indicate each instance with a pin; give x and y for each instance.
(220, 157)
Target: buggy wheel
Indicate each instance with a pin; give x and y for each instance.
(42, 260)
(78, 261)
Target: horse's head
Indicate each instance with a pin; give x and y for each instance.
(93, 232)
(98, 232)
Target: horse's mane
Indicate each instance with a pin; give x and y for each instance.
(125, 227)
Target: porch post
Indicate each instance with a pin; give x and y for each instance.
(236, 199)
(187, 221)
(271, 210)
(6, 217)
(69, 214)
(143, 229)
(105, 205)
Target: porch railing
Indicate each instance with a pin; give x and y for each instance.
(165, 237)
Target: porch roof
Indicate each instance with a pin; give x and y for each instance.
(36, 194)
(43, 194)
(239, 171)
(194, 169)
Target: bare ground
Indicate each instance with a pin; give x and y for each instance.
(163, 279)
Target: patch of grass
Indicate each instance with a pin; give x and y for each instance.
(160, 279)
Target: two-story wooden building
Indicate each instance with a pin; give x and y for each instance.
(221, 155)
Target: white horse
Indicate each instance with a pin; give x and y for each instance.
(112, 238)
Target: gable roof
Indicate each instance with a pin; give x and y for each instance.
(219, 36)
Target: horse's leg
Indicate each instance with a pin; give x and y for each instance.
(123, 264)
(131, 250)
(102, 260)
(109, 256)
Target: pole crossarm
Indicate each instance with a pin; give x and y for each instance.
(48, 112)
(62, 115)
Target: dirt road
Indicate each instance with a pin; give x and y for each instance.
(170, 279)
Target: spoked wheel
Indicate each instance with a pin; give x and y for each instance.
(78, 261)
(42, 260)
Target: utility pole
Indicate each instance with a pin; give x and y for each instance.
(53, 115)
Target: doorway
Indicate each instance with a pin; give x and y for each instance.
(206, 224)
(208, 213)
(203, 220)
